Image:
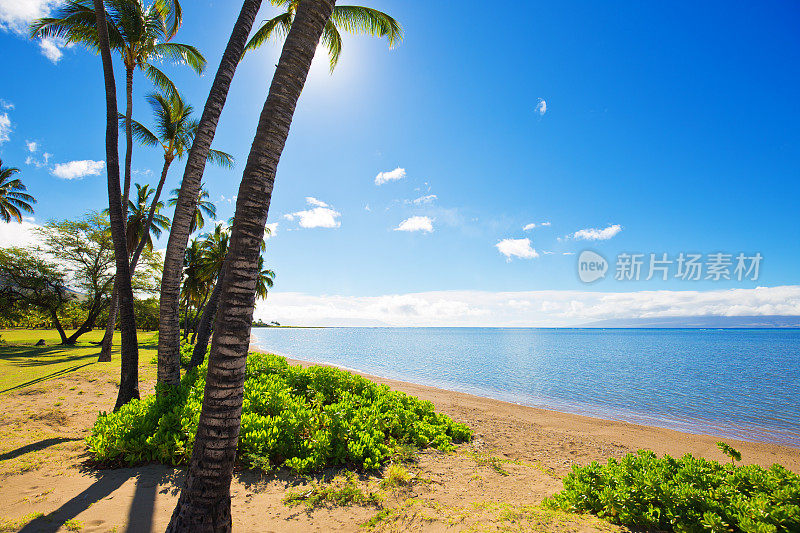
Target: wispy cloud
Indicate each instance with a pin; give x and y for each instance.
(541, 106)
(320, 216)
(5, 128)
(5, 104)
(51, 49)
(392, 175)
(75, 170)
(273, 230)
(423, 200)
(595, 234)
(525, 308)
(516, 248)
(423, 224)
(32, 146)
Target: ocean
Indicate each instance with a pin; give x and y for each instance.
(737, 383)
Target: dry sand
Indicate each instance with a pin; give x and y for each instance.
(495, 483)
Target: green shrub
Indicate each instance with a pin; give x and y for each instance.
(186, 353)
(300, 418)
(686, 495)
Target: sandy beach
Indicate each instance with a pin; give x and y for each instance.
(497, 482)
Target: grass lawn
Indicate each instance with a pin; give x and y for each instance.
(23, 364)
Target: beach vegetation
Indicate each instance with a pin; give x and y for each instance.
(342, 490)
(727, 449)
(689, 494)
(298, 418)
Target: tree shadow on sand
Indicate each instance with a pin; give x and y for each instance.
(142, 508)
(34, 447)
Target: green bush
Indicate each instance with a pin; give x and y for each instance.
(686, 495)
(186, 353)
(300, 418)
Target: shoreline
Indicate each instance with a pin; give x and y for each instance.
(559, 439)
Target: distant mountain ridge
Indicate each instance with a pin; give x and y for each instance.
(704, 321)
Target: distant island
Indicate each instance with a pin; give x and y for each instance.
(261, 324)
(704, 321)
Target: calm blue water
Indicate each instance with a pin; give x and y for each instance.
(735, 383)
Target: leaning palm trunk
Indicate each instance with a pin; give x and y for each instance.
(129, 380)
(106, 343)
(126, 191)
(204, 327)
(205, 501)
(169, 369)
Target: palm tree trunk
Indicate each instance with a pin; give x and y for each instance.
(204, 328)
(126, 191)
(169, 371)
(111, 322)
(129, 379)
(205, 501)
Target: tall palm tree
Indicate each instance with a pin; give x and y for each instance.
(265, 280)
(352, 19)
(195, 284)
(204, 207)
(205, 501)
(139, 33)
(12, 200)
(129, 367)
(169, 370)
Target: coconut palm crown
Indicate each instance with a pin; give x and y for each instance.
(12, 198)
(357, 20)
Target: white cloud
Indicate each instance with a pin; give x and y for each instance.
(321, 216)
(273, 230)
(392, 175)
(424, 224)
(32, 146)
(316, 203)
(522, 309)
(367, 208)
(19, 234)
(544, 224)
(528, 227)
(5, 128)
(541, 106)
(51, 49)
(517, 248)
(16, 16)
(78, 169)
(5, 104)
(596, 234)
(424, 200)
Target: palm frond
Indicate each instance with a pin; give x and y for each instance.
(277, 27)
(140, 132)
(160, 79)
(182, 53)
(365, 20)
(223, 159)
(332, 40)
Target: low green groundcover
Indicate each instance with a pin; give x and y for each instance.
(300, 418)
(687, 494)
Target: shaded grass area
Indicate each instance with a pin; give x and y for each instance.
(22, 364)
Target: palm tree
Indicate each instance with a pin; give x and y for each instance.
(129, 368)
(12, 199)
(138, 231)
(169, 370)
(204, 207)
(266, 278)
(205, 501)
(195, 284)
(352, 19)
(139, 33)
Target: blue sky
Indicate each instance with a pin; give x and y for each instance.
(671, 127)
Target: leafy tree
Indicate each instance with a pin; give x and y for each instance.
(352, 19)
(205, 498)
(27, 280)
(13, 199)
(85, 252)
